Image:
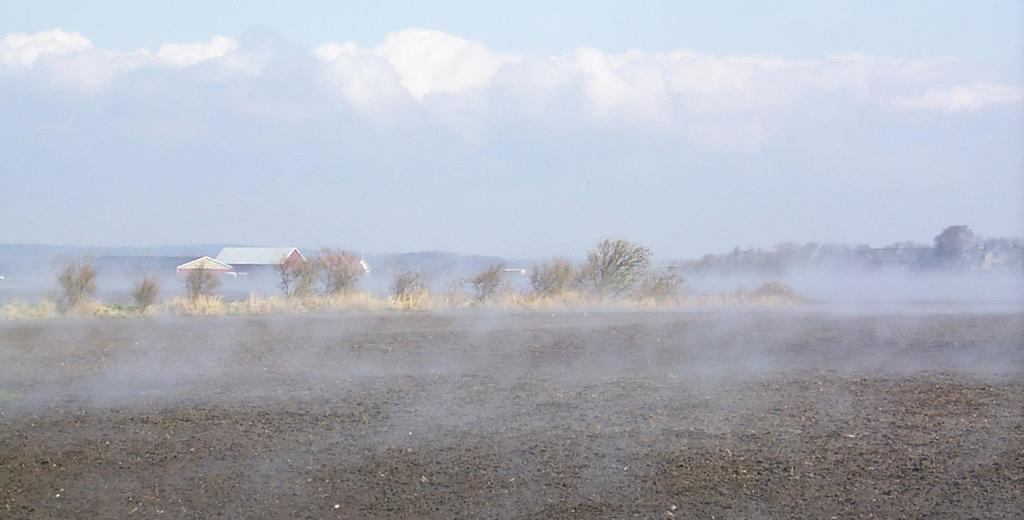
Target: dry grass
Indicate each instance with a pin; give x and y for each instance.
(84, 309)
(534, 302)
(203, 305)
(451, 300)
(256, 304)
(18, 310)
(414, 301)
(340, 302)
(95, 309)
(358, 301)
(777, 291)
(771, 294)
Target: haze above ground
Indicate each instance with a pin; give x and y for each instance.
(520, 130)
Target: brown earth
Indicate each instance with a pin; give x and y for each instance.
(588, 415)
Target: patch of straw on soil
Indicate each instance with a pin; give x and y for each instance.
(18, 310)
(771, 294)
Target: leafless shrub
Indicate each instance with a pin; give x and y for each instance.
(487, 283)
(614, 267)
(407, 284)
(296, 279)
(145, 292)
(305, 281)
(552, 278)
(777, 289)
(453, 294)
(286, 277)
(78, 282)
(658, 287)
(200, 284)
(339, 271)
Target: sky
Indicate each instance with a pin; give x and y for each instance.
(517, 129)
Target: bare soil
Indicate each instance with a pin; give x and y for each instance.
(526, 415)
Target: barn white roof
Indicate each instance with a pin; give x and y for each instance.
(255, 255)
(205, 262)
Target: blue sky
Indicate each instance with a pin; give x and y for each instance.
(526, 129)
(985, 31)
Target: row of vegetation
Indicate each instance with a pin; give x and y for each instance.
(615, 273)
(956, 248)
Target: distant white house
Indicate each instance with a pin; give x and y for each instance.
(993, 260)
(204, 262)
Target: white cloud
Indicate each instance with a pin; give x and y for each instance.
(464, 81)
(88, 71)
(365, 80)
(188, 54)
(432, 61)
(331, 51)
(451, 124)
(719, 101)
(70, 59)
(429, 62)
(964, 98)
(22, 50)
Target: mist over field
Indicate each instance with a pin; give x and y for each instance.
(508, 414)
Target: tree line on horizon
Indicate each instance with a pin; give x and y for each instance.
(956, 248)
(613, 269)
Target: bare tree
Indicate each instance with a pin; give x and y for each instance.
(452, 290)
(551, 278)
(305, 281)
(339, 271)
(296, 279)
(614, 267)
(145, 292)
(407, 284)
(487, 283)
(286, 277)
(659, 287)
(201, 282)
(78, 282)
